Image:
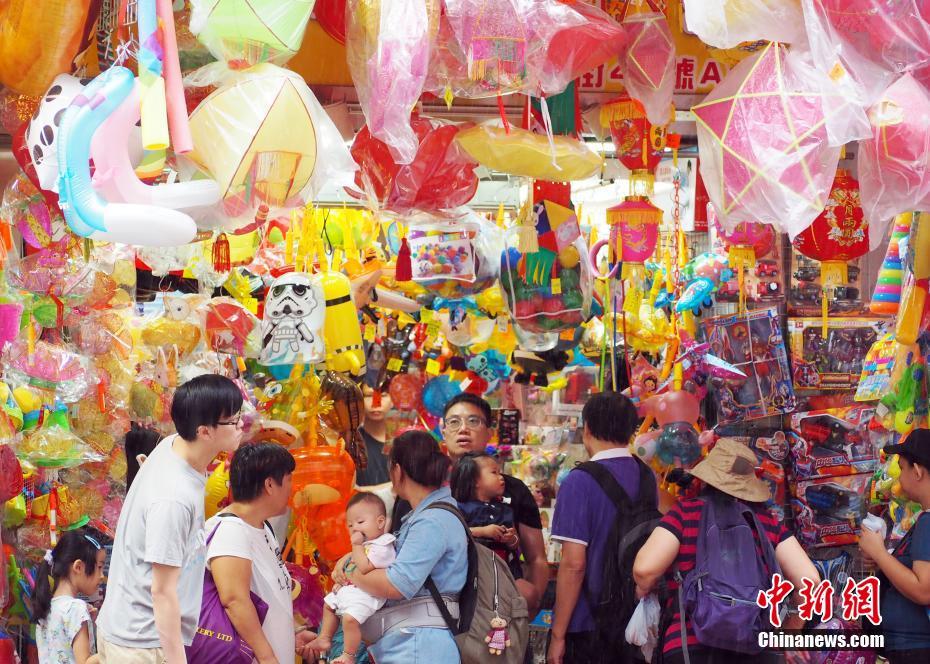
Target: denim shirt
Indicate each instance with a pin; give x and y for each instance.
(430, 543)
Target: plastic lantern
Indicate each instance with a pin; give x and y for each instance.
(244, 33)
(839, 233)
(639, 143)
(887, 295)
(322, 485)
(331, 15)
(441, 176)
(260, 137)
(388, 48)
(781, 176)
(40, 39)
(634, 232)
(894, 162)
(729, 23)
(648, 62)
(866, 44)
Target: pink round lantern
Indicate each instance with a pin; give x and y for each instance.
(634, 232)
(758, 237)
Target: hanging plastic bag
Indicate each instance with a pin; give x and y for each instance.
(648, 64)
(643, 628)
(728, 23)
(388, 48)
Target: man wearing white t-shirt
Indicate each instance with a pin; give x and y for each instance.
(155, 582)
(243, 554)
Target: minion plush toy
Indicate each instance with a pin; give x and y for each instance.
(344, 349)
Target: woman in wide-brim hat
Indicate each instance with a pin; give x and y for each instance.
(728, 474)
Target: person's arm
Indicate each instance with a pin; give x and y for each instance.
(568, 584)
(81, 646)
(233, 579)
(913, 583)
(534, 552)
(168, 612)
(360, 558)
(795, 563)
(654, 559)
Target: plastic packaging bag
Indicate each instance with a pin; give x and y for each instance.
(643, 628)
(894, 163)
(728, 23)
(781, 176)
(648, 64)
(388, 46)
(865, 44)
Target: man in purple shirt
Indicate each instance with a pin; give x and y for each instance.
(582, 521)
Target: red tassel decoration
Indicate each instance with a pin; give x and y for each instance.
(376, 399)
(403, 271)
(221, 260)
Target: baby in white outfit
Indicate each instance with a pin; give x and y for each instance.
(372, 548)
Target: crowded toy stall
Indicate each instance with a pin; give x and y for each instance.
(634, 293)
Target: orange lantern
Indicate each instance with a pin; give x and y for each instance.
(322, 485)
(839, 233)
(634, 233)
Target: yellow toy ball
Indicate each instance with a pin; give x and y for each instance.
(569, 257)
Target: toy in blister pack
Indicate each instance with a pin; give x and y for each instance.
(903, 405)
(508, 427)
(829, 510)
(805, 294)
(835, 442)
(752, 342)
(833, 362)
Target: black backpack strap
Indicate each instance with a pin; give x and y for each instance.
(608, 483)
(430, 585)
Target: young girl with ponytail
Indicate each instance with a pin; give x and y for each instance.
(63, 630)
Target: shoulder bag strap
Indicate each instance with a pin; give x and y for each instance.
(431, 585)
(648, 490)
(607, 482)
(221, 515)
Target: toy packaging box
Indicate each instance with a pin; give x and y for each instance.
(834, 362)
(877, 367)
(835, 442)
(753, 343)
(829, 510)
(805, 292)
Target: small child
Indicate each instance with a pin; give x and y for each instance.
(478, 487)
(63, 630)
(372, 548)
(904, 574)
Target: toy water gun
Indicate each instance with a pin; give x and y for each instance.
(16, 607)
(898, 410)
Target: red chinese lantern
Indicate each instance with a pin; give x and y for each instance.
(634, 233)
(639, 143)
(839, 233)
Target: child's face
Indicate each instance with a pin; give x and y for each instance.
(490, 483)
(367, 519)
(88, 584)
(910, 478)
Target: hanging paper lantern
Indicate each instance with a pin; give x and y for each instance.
(648, 62)
(746, 243)
(634, 233)
(894, 162)
(331, 15)
(839, 233)
(780, 175)
(639, 143)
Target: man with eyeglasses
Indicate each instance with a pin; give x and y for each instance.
(155, 582)
(467, 427)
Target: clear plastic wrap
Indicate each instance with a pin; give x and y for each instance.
(522, 152)
(53, 272)
(648, 64)
(54, 446)
(546, 292)
(47, 366)
(441, 176)
(388, 46)
(766, 143)
(26, 209)
(231, 328)
(894, 163)
(454, 257)
(244, 33)
(266, 140)
(864, 45)
(728, 23)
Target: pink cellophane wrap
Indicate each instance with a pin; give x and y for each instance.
(648, 64)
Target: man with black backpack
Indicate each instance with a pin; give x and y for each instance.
(605, 509)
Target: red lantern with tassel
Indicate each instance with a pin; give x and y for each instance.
(839, 233)
(634, 233)
(639, 143)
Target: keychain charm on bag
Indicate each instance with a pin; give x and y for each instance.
(497, 639)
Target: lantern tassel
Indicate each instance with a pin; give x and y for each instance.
(221, 259)
(403, 270)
